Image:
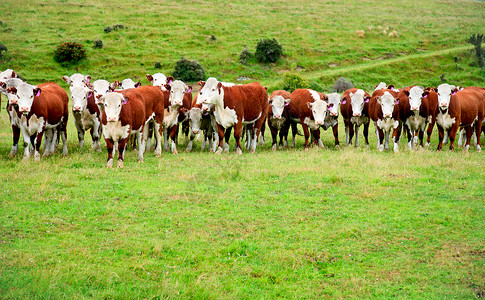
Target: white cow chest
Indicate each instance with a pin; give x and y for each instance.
(445, 120)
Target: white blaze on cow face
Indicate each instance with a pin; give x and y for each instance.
(177, 92)
(357, 102)
(79, 95)
(26, 93)
(278, 104)
(112, 105)
(210, 92)
(333, 104)
(387, 102)
(445, 91)
(415, 97)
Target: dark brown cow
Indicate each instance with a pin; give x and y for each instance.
(309, 108)
(129, 111)
(463, 108)
(278, 119)
(355, 112)
(235, 106)
(385, 114)
(42, 108)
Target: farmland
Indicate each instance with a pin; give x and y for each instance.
(323, 223)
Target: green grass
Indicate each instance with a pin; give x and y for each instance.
(348, 223)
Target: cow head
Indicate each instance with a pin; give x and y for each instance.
(112, 103)
(159, 79)
(333, 104)
(445, 91)
(195, 117)
(8, 87)
(319, 110)
(100, 88)
(7, 74)
(357, 101)
(380, 86)
(76, 79)
(25, 94)
(387, 102)
(416, 95)
(79, 95)
(210, 92)
(177, 91)
(278, 104)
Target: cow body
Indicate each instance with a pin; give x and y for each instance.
(308, 108)
(278, 118)
(385, 114)
(12, 110)
(42, 109)
(234, 106)
(355, 113)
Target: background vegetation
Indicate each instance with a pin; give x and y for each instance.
(352, 223)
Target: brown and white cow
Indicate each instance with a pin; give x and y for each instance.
(309, 108)
(129, 111)
(77, 79)
(331, 119)
(464, 108)
(201, 122)
(42, 108)
(384, 111)
(4, 75)
(127, 83)
(278, 119)
(12, 109)
(233, 107)
(100, 88)
(355, 112)
(415, 112)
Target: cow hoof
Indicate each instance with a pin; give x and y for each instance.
(479, 149)
(140, 160)
(273, 147)
(157, 155)
(307, 149)
(109, 164)
(396, 148)
(219, 150)
(467, 147)
(238, 151)
(381, 148)
(11, 155)
(120, 164)
(337, 147)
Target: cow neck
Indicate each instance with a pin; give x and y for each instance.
(91, 106)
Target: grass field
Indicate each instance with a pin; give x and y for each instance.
(348, 223)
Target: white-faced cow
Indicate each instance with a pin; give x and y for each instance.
(77, 79)
(235, 106)
(42, 108)
(100, 88)
(278, 119)
(309, 108)
(7, 74)
(201, 122)
(355, 112)
(12, 109)
(127, 83)
(331, 119)
(384, 111)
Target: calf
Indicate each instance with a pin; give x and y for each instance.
(463, 108)
(86, 115)
(355, 112)
(309, 108)
(385, 114)
(129, 111)
(414, 113)
(12, 109)
(278, 119)
(42, 108)
(234, 106)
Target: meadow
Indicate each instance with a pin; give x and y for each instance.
(323, 223)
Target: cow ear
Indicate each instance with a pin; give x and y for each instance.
(287, 102)
(219, 85)
(125, 100)
(66, 79)
(89, 86)
(270, 100)
(201, 83)
(88, 78)
(12, 90)
(3, 85)
(168, 86)
(189, 89)
(114, 85)
(396, 101)
(390, 87)
(366, 99)
(149, 77)
(90, 94)
(117, 83)
(170, 79)
(425, 93)
(14, 75)
(310, 105)
(435, 90)
(454, 90)
(99, 100)
(37, 92)
(406, 93)
(137, 84)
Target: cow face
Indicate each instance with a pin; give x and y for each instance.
(7, 74)
(445, 91)
(100, 88)
(416, 94)
(387, 102)
(195, 117)
(129, 84)
(26, 93)
(112, 103)
(76, 79)
(79, 95)
(9, 88)
(319, 111)
(357, 101)
(210, 92)
(333, 104)
(380, 86)
(177, 91)
(278, 104)
(159, 79)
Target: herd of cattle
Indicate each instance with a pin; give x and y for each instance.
(122, 110)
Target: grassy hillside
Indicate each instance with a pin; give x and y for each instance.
(348, 223)
(318, 37)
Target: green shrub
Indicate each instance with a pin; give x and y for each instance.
(187, 70)
(244, 56)
(268, 51)
(69, 52)
(292, 82)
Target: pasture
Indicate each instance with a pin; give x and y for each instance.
(323, 223)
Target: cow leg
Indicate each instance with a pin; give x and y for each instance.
(461, 138)
(429, 131)
(165, 138)
(110, 148)
(27, 143)
(237, 136)
(335, 135)
(294, 131)
(380, 139)
(452, 135)
(386, 145)
(306, 133)
(258, 131)
(346, 123)
(445, 139)
(80, 132)
(173, 137)
(357, 127)
(478, 132)
(366, 133)
(49, 142)
(96, 135)
(316, 136)
(220, 131)
(121, 152)
(191, 141)
(38, 141)
(441, 134)
(227, 136)
(62, 131)
(261, 132)
(421, 137)
(141, 138)
(274, 137)
(395, 138)
(16, 137)
(469, 133)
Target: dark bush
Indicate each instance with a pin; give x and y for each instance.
(292, 82)
(69, 52)
(244, 56)
(108, 29)
(2, 49)
(98, 44)
(342, 84)
(476, 40)
(187, 70)
(268, 51)
(158, 65)
(118, 27)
